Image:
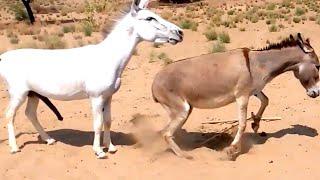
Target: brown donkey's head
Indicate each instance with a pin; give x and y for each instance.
(307, 70)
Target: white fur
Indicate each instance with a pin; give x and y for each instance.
(92, 71)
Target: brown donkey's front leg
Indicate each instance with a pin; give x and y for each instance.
(256, 118)
(235, 148)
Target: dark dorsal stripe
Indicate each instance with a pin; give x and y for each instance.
(48, 103)
(246, 56)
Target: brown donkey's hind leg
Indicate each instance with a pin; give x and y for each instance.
(178, 116)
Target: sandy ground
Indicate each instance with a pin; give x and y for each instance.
(289, 151)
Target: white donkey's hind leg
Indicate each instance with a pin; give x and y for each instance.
(31, 113)
(14, 104)
(107, 125)
(97, 104)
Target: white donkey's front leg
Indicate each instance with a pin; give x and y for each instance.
(107, 125)
(97, 104)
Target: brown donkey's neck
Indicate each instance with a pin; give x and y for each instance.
(267, 64)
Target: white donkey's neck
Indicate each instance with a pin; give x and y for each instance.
(120, 43)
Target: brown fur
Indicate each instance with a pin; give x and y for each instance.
(215, 80)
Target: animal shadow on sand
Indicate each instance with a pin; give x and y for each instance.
(192, 140)
(83, 138)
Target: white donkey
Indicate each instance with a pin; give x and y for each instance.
(92, 72)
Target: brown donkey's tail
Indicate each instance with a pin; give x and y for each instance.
(48, 103)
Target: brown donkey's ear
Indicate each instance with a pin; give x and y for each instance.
(291, 37)
(299, 36)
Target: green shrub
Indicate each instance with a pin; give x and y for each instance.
(271, 6)
(273, 28)
(189, 24)
(296, 19)
(242, 29)
(19, 13)
(218, 47)
(164, 57)
(211, 34)
(224, 37)
(14, 40)
(68, 28)
(87, 28)
(300, 11)
(54, 42)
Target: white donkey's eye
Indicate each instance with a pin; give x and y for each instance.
(150, 19)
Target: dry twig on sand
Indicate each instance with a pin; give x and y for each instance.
(234, 124)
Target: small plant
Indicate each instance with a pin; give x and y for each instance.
(211, 34)
(296, 19)
(189, 24)
(231, 12)
(164, 57)
(271, 6)
(19, 12)
(14, 40)
(54, 42)
(87, 28)
(300, 11)
(312, 18)
(242, 29)
(218, 47)
(68, 29)
(152, 57)
(273, 28)
(224, 37)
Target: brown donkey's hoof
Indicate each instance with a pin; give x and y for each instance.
(232, 153)
(254, 127)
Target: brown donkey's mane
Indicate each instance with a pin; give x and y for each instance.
(288, 42)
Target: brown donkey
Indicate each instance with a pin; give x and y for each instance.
(215, 80)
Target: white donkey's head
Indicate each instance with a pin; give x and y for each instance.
(150, 27)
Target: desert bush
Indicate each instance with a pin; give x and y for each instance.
(270, 21)
(312, 18)
(14, 40)
(54, 42)
(218, 46)
(68, 28)
(242, 29)
(231, 12)
(87, 28)
(271, 6)
(166, 14)
(19, 13)
(211, 34)
(189, 24)
(296, 19)
(299, 11)
(273, 28)
(164, 57)
(286, 3)
(224, 37)
(152, 57)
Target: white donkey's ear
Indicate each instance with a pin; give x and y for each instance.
(138, 5)
(143, 4)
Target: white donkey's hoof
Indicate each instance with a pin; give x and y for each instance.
(51, 141)
(112, 149)
(14, 150)
(101, 155)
